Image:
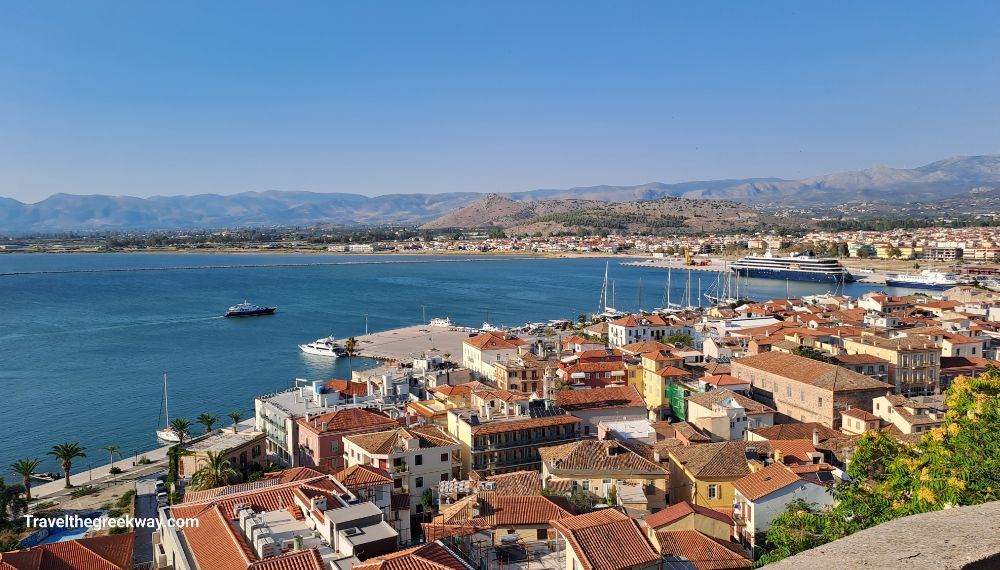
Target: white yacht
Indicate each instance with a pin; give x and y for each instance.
(443, 323)
(487, 327)
(328, 347)
(167, 433)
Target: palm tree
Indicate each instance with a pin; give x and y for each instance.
(217, 471)
(66, 453)
(208, 420)
(112, 450)
(24, 468)
(181, 427)
(350, 349)
(236, 417)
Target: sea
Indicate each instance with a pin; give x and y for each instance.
(85, 339)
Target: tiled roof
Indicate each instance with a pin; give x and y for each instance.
(859, 359)
(682, 509)
(430, 556)
(610, 397)
(111, 552)
(796, 431)
(360, 476)
(347, 387)
(600, 456)
(493, 341)
(859, 414)
(503, 426)
(346, 420)
(724, 460)
(809, 371)
(517, 483)
(606, 540)
(672, 371)
(717, 397)
(766, 481)
(794, 450)
(600, 353)
(586, 367)
(497, 510)
(382, 442)
(639, 320)
(723, 380)
(645, 346)
(702, 552)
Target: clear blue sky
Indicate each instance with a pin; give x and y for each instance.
(145, 98)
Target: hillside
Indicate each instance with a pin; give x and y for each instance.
(957, 184)
(672, 215)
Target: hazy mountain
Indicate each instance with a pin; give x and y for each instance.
(951, 179)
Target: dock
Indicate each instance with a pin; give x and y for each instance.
(405, 344)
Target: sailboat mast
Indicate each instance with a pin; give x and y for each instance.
(668, 287)
(166, 397)
(699, 292)
(640, 293)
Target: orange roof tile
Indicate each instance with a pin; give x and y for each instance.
(610, 397)
(346, 420)
(766, 481)
(701, 551)
(682, 509)
(606, 540)
(111, 552)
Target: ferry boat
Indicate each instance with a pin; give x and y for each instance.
(323, 347)
(796, 267)
(926, 279)
(443, 323)
(247, 309)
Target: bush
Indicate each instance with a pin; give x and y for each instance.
(125, 501)
(143, 460)
(45, 505)
(115, 470)
(83, 491)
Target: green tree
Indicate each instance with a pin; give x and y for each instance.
(24, 468)
(9, 541)
(66, 453)
(802, 526)
(895, 253)
(217, 471)
(682, 339)
(612, 498)
(12, 503)
(582, 501)
(208, 420)
(863, 252)
(812, 353)
(112, 451)
(235, 417)
(350, 349)
(181, 427)
(427, 499)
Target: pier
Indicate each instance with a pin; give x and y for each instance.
(407, 343)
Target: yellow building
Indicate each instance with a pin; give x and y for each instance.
(914, 362)
(703, 474)
(659, 370)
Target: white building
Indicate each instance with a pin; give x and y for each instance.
(726, 415)
(481, 352)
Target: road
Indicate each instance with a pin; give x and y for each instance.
(145, 507)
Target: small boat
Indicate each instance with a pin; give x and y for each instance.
(247, 309)
(328, 347)
(487, 327)
(167, 433)
(443, 323)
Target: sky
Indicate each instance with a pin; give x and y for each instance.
(374, 97)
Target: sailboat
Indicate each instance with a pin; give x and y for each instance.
(605, 309)
(167, 433)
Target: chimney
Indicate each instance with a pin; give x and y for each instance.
(815, 437)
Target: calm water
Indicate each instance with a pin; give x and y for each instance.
(82, 354)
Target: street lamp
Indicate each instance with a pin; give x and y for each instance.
(135, 457)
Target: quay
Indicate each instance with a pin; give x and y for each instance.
(405, 344)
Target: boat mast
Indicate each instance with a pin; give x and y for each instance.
(166, 398)
(699, 293)
(640, 294)
(668, 287)
(604, 291)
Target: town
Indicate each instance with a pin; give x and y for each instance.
(679, 438)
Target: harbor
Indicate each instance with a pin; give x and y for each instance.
(403, 345)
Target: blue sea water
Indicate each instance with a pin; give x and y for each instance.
(82, 354)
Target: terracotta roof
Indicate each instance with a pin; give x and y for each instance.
(494, 341)
(796, 431)
(723, 460)
(639, 320)
(809, 371)
(610, 397)
(360, 476)
(586, 367)
(346, 420)
(517, 483)
(347, 387)
(701, 551)
(672, 371)
(111, 552)
(645, 346)
(606, 540)
(794, 450)
(717, 397)
(766, 481)
(502, 426)
(497, 510)
(859, 414)
(682, 509)
(600, 353)
(431, 556)
(383, 442)
(594, 455)
(723, 380)
(859, 359)
(458, 390)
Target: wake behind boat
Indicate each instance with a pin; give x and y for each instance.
(247, 309)
(328, 347)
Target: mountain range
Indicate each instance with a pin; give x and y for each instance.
(950, 179)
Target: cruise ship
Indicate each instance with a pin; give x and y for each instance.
(797, 267)
(926, 279)
(247, 309)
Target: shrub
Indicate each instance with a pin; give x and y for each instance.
(83, 491)
(115, 470)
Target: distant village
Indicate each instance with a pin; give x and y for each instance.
(633, 441)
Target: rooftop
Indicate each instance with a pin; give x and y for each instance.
(808, 371)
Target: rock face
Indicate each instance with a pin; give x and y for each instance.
(966, 538)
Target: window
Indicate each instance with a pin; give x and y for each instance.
(419, 483)
(444, 457)
(418, 459)
(444, 476)
(334, 446)
(713, 491)
(586, 484)
(542, 534)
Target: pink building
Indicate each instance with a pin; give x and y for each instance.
(321, 436)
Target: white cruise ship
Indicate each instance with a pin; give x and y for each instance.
(796, 267)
